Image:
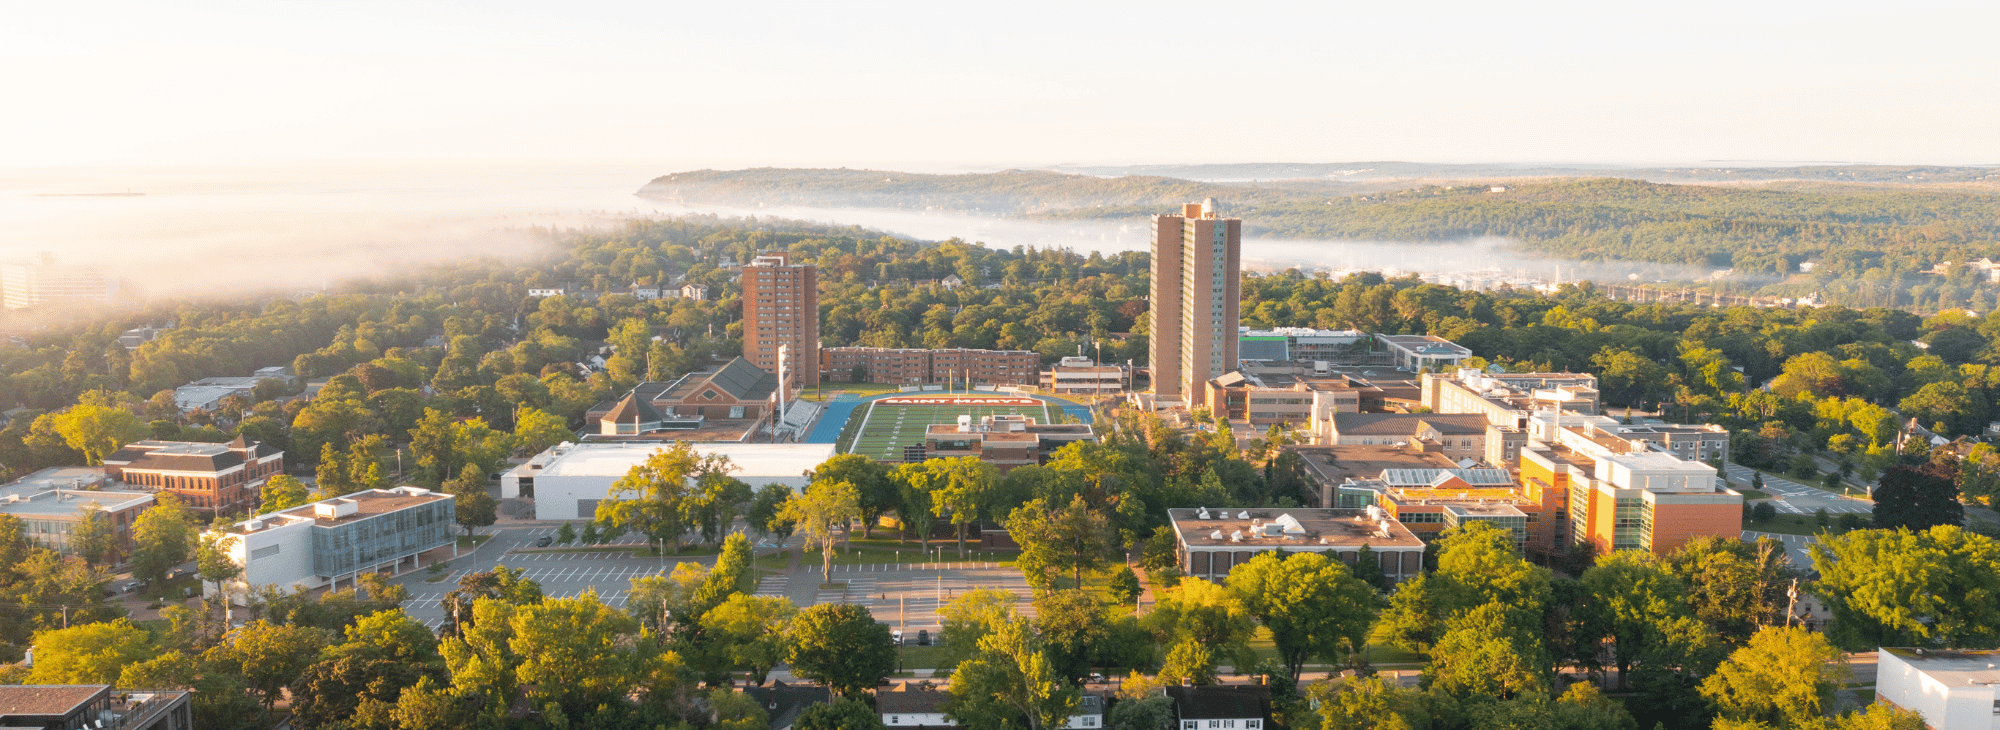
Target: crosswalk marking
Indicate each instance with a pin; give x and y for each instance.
(899, 567)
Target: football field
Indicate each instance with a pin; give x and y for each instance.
(890, 424)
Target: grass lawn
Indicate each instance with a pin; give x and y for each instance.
(774, 561)
(920, 657)
(474, 541)
(173, 590)
(1753, 494)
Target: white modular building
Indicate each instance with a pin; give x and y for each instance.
(567, 481)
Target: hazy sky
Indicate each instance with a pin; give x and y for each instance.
(942, 85)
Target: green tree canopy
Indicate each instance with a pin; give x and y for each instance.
(841, 646)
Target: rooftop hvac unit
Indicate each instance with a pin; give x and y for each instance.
(1201, 513)
(1236, 536)
(1216, 535)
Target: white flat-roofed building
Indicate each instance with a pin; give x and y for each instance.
(1656, 472)
(1211, 542)
(326, 542)
(1083, 376)
(50, 503)
(1953, 690)
(1415, 352)
(568, 480)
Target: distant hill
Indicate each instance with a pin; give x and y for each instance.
(1378, 171)
(1853, 229)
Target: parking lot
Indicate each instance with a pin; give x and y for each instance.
(1791, 497)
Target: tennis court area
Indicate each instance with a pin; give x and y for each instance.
(890, 424)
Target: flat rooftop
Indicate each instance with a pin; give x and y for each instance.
(1489, 509)
(1366, 462)
(1953, 668)
(748, 460)
(1321, 528)
(1654, 461)
(369, 503)
(62, 502)
(48, 700)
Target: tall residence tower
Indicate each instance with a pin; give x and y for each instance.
(781, 307)
(1197, 275)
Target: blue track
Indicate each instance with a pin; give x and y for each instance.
(841, 407)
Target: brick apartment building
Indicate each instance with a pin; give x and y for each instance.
(781, 308)
(906, 366)
(210, 478)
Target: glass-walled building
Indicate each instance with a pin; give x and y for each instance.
(336, 540)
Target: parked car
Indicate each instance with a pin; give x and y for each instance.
(179, 573)
(896, 636)
(1092, 678)
(923, 637)
(544, 541)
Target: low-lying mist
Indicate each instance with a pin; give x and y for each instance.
(227, 232)
(237, 230)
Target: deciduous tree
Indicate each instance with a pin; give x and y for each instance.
(824, 507)
(1784, 676)
(841, 646)
(162, 537)
(1313, 606)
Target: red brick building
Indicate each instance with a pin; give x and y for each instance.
(211, 478)
(781, 309)
(903, 366)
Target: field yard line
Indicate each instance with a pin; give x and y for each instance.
(856, 443)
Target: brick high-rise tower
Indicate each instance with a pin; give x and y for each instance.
(781, 307)
(1197, 279)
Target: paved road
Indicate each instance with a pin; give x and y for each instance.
(1791, 497)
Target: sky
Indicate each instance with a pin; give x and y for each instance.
(935, 86)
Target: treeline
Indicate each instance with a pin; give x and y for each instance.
(1870, 242)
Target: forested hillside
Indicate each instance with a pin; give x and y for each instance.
(1870, 241)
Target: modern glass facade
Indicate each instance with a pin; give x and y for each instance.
(357, 543)
(1632, 525)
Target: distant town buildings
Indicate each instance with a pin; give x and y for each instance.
(51, 503)
(42, 281)
(911, 366)
(333, 540)
(1213, 541)
(210, 478)
(207, 394)
(781, 309)
(1196, 294)
(568, 480)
